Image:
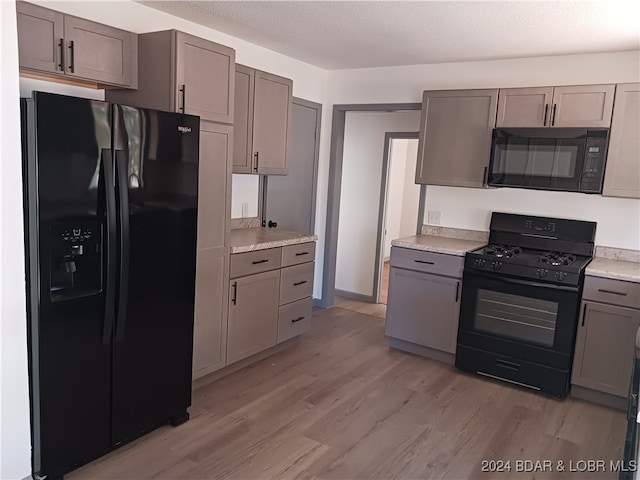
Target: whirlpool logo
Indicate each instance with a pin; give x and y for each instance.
(184, 129)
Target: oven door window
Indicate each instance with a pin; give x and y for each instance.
(517, 317)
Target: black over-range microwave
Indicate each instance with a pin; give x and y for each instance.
(567, 159)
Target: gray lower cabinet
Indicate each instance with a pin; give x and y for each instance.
(605, 341)
(253, 314)
(622, 174)
(269, 298)
(183, 73)
(263, 104)
(580, 106)
(50, 42)
(423, 307)
(455, 137)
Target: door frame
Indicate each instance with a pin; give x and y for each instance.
(335, 183)
(382, 214)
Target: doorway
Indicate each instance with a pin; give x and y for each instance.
(362, 196)
(400, 197)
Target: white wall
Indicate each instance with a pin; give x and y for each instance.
(244, 189)
(360, 194)
(618, 218)
(15, 442)
(403, 195)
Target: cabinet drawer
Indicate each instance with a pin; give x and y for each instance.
(615, 292)
(294, 319)
(300, 253)
(255, 262)
(421, 261)
(296, 282)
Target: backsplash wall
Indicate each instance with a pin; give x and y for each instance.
(618, 219)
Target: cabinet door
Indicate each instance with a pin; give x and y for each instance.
(455, 137)
(212, 267)
(40, 33)
(243, 120)
(210, 322)
(582, 106)
(524, 107)
(605, 348)
(205, 78)
(214, 179)
(423, 309)
(99, 52)
(622, 174)
(271, 119)
(253, 314)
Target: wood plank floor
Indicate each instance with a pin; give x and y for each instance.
(384, 286)
(341, 405)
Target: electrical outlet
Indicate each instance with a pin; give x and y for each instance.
(245, 210)
(433, 217)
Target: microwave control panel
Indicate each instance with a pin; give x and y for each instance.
(593, 167)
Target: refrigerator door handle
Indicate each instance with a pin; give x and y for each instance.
(107, 167)
(123, 201)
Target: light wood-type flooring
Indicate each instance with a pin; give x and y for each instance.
(384, 287)
(341, 405)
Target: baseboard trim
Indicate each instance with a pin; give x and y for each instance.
(423, 351)
(355, 296)
(601, 398)
(245, 362)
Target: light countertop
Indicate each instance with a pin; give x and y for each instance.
(614, 269)
(437, 244)
(250, 239)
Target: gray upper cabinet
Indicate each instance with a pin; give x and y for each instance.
(263, 106)
(243, 120)
(50, 42)
(524, 107)
(605, 348)
(582, 106)
(183, 73)
(455, 137)
(40, 33)
(622, 175)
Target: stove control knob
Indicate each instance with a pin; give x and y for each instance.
(561, 275)
(543, 272)
(480, 262)
(497, 265)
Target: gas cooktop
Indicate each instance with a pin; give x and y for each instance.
(528, 263)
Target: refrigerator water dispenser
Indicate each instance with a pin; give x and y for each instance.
(75, 260)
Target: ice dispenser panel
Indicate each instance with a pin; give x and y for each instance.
(75, 260)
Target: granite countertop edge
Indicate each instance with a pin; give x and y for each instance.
(614, 269)
(438, 244)
(261, 240)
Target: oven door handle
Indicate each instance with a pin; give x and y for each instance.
(500, 278)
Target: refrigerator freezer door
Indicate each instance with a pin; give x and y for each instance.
(70, 366)
(157, 172)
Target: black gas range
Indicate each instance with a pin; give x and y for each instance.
(520, 300)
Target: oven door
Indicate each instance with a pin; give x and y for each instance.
(542, 158)
(519, 318)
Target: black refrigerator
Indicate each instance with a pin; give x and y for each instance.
(111, 196)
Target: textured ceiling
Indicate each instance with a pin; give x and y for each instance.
(355, 34)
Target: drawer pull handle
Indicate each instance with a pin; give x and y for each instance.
(260, 261)
(584, 313)
(299, 254)
(622, 294)
(302, 282)
(297, 319)
(424, 261)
